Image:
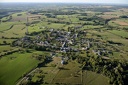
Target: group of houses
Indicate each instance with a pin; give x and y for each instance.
(66, 41)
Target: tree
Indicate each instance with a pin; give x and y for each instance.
(5, 42)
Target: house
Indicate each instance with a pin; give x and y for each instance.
(70, 42)
(62, 62)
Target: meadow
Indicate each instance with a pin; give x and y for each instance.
(121, 33)
(15, 66)
(70, 74)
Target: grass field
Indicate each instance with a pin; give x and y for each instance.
(115, 13)
(71, 74)
(56, 25)
(7, 40)
(121, 33)
(5, 26)
(15, 66)
(106, 35)
(91, 78)
(91, 27)
(15, 31)
(5, 48)
(21, 18)
(36, 27)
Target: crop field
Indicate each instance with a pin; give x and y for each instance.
(108, 16)
(122, 22)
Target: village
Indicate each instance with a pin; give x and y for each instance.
(66, 47)
(62, 41)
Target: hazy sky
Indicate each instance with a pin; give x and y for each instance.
(85, 1)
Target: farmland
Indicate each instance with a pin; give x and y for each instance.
(63, 44)
(15, 66)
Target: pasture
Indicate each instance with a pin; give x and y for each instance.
(121, 33)
(70, 74)
(5, 48)
(15, 31)
(2, 41)
(19, 17)
(15, 66)
(92, 78)
(109, 36)
(6, 26)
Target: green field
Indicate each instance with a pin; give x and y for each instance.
(21, 18)
(91, 78)
(71, 74)
(15, 31)
(7, 40)
(6, 26)
(15, 66)
(6, 48)
(121, 33)
(68, 74)
(107, 35)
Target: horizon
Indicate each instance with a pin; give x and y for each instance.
(66, 1)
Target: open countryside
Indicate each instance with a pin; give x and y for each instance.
(63, 44)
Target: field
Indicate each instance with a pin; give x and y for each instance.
(6, 26)
(91, 78)
(21, 18)
(7, 41)
(119, 22)
(5, 48)
(120, 33)
(15, 31)
(70, 74)
(108, 16)
(15, 66)
(110, 36)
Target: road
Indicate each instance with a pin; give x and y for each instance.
(25, 77)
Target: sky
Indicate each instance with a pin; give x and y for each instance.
(72, 1)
